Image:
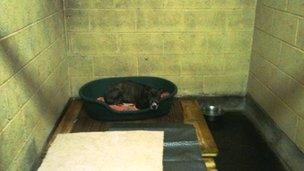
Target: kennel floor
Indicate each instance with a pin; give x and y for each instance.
(241, 145)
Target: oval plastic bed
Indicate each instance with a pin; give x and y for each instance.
(101, 111)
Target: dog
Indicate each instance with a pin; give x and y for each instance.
(142, 96)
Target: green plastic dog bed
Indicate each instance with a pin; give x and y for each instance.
(94, 89)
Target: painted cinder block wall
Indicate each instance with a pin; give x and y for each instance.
(202, 45)
(33, 74)
(276, 79)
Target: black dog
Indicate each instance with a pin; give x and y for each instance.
(142, 96)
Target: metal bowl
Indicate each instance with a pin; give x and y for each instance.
(212, 112)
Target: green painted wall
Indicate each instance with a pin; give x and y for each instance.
(33, 74)
(277, 68)
(202, 45)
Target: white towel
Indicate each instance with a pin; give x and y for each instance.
(108, 151)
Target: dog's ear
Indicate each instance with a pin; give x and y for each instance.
(155, 93)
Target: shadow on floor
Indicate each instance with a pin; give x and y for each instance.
(241, 147)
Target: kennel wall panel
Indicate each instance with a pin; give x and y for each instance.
(195, 42)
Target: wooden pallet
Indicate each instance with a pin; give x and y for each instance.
(185, 111)
(193, 115)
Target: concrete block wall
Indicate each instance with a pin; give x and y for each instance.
(202, 45)
(33, 74)
(277, 66)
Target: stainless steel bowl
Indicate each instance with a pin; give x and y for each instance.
(212, 112)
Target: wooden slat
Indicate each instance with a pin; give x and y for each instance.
(193, 115)
(69, 118)
(210, 164)
(191, 110)
(86, 124)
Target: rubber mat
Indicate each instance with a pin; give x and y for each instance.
(181, 149)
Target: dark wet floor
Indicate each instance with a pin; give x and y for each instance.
(241, 146)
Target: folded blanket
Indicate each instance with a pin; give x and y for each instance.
(120, 107)
(124, 107)
(108, 151)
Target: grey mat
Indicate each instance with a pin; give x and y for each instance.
(181, 149)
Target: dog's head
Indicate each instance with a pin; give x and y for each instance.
(154, 98)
